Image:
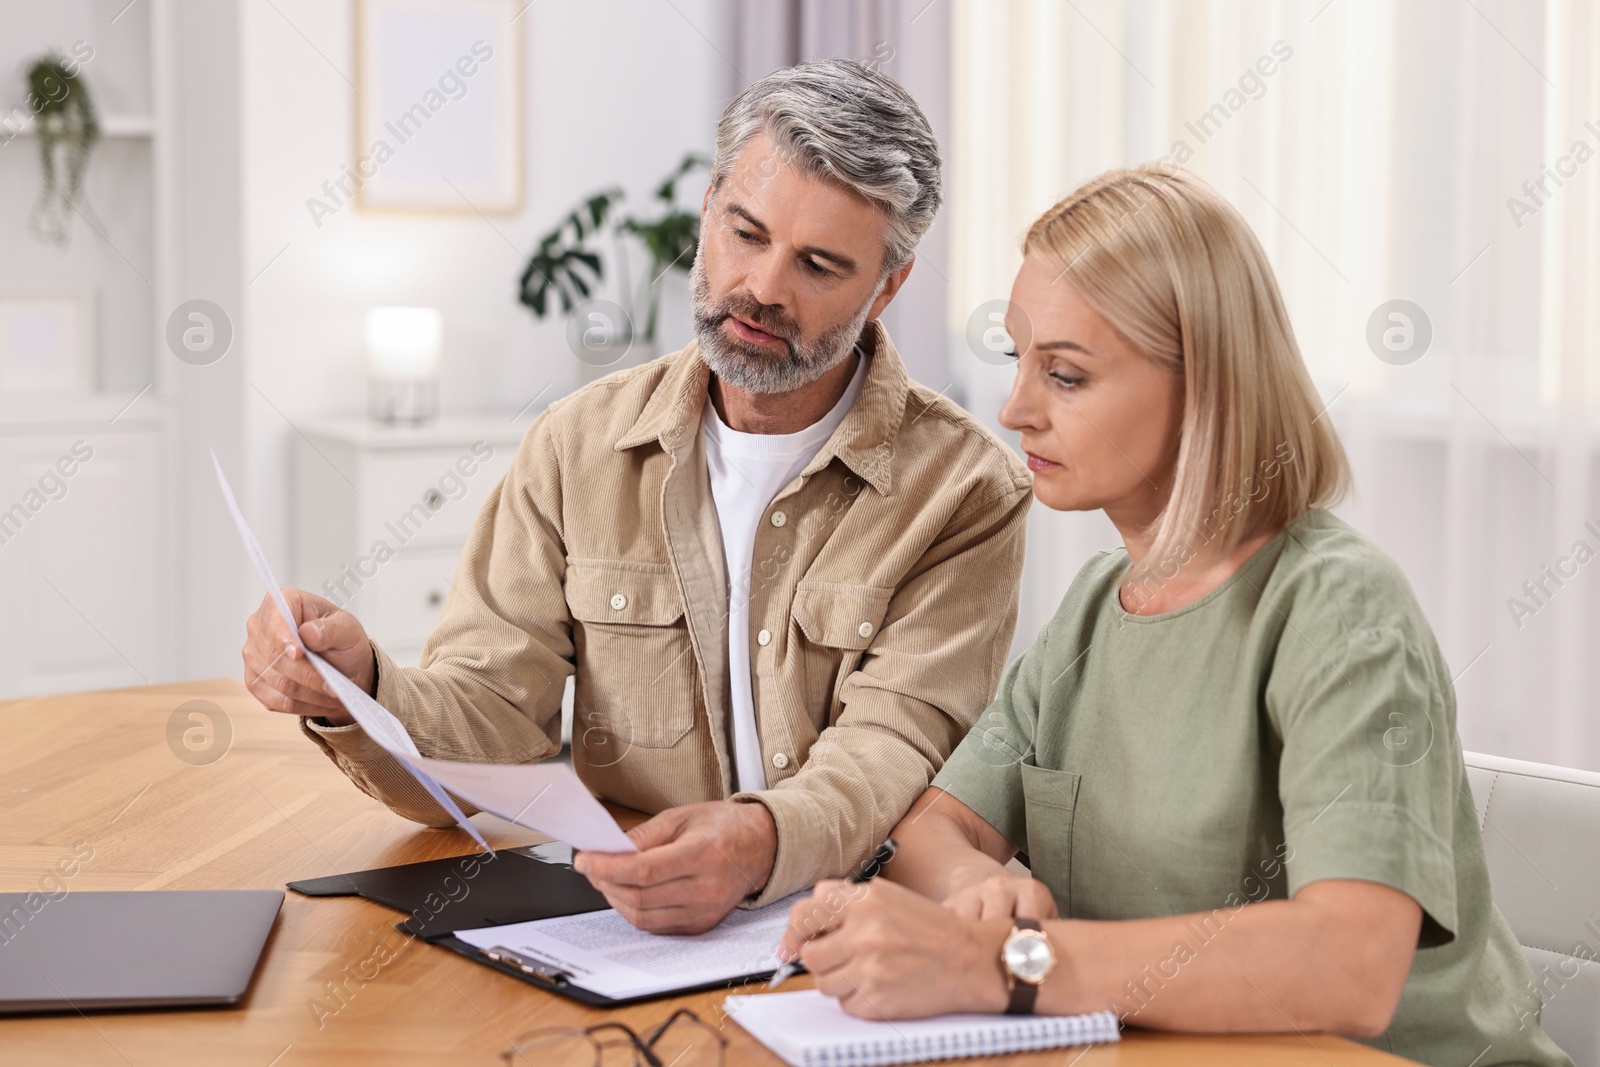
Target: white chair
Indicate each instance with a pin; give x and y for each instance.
(1541, 835)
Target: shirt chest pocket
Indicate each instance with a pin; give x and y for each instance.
(834, 623)
(1050, 800)
(635, 683)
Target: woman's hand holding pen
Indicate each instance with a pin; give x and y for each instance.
(887, 952)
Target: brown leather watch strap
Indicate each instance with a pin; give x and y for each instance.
(1023, 994)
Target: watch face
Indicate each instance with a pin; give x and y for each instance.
(1029, 957)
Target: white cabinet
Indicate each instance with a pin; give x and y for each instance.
(83, 545)
(381, 515)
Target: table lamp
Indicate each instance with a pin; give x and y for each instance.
(403, 349)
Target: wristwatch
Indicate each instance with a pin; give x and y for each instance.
(1027, 958)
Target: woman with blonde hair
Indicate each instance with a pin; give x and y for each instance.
(1230, 759)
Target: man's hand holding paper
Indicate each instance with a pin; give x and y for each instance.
(694, 865)
(277, 672)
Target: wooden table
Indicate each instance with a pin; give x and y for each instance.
(105, 769)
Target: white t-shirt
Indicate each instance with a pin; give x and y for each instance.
(747, 471)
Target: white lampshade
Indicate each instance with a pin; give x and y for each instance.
(403, 344)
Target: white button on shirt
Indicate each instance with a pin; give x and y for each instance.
(618, 601)
(747, 472)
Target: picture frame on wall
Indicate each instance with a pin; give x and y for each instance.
(46, 341)
(439, 108)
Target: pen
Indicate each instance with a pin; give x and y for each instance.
(870, 870)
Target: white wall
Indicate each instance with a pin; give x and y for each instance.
(616, 92)
(199, 156)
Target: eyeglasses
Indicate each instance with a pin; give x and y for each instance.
(683, 1040)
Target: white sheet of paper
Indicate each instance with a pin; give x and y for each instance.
(546, 797)
(376, 720)
(604, 953)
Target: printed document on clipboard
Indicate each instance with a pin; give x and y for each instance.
(547, 798)
(599, 958)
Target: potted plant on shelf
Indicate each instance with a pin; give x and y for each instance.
(67, 129)
(567, 267)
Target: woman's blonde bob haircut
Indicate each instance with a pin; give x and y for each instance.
(1175, 269)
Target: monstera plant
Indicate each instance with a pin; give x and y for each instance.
(67, 129)
(567, 267)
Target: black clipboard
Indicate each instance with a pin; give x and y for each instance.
(511, 885)
(555, 981)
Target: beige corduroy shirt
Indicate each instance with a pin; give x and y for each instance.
(884, 598)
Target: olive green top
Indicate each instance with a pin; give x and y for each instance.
(1297, 723)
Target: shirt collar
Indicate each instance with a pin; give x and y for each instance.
(864, 441)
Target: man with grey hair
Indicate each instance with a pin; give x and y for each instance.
(784, 575)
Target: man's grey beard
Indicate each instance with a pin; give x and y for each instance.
(757, 369)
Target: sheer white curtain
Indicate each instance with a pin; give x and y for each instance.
(1441, 152)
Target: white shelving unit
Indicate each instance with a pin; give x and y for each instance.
(111, 125)
(86, 558)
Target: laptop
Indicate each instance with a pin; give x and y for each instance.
(86, 951)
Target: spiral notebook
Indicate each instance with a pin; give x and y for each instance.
(810, 1030)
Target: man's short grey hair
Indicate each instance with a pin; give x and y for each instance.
(841, 120)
